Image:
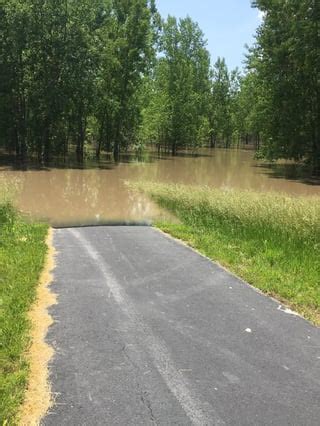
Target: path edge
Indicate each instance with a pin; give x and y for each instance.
(283, 305)
(38, 397)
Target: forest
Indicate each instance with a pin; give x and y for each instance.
(79, 76)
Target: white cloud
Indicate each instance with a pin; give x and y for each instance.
(261, 15)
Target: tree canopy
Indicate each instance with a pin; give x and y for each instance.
(110, 75)
(285, 64)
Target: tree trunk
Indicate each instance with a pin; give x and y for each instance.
(212, 141)
(316, 152)
(258, 142)
(15, 141)
(101, 134)
(80, 139)
(174, 148)
(116, 145)
(46, 141)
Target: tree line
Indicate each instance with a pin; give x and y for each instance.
(109, 75)
(284, 75)
(71, 72)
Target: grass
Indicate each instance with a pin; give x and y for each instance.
(22, 255)
(270, 240)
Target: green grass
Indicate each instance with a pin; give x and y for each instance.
(270, 240)
(22, 254)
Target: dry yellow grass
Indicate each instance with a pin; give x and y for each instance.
(38, 398)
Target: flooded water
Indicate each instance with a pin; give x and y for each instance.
(96, 193)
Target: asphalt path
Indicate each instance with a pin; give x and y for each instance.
(148, 332)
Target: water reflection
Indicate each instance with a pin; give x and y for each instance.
(95, 193)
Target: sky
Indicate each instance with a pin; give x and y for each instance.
(227, 24)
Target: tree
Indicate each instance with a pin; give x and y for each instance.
(126, 59)
(176, 116)
(249, 109)
(286, 59)
(220, 114)
(48, 61)
(14, 29)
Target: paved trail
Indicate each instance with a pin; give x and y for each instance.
(149, 332)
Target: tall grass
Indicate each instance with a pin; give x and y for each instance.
(271, 240)
(22, 253)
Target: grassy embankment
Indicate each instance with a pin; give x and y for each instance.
(22, 255)
(270, 240)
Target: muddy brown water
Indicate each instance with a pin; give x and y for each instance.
(96, 193)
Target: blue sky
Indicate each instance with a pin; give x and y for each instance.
(227, 24)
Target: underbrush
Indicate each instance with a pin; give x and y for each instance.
(270, 240)
(22, 254)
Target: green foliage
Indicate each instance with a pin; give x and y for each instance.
(22, 252)
(285, 63)
(178, 91)
(64, 62)
(111, 74)
(224, 92)
(249, 109)
(128, 56)
(270, 240)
